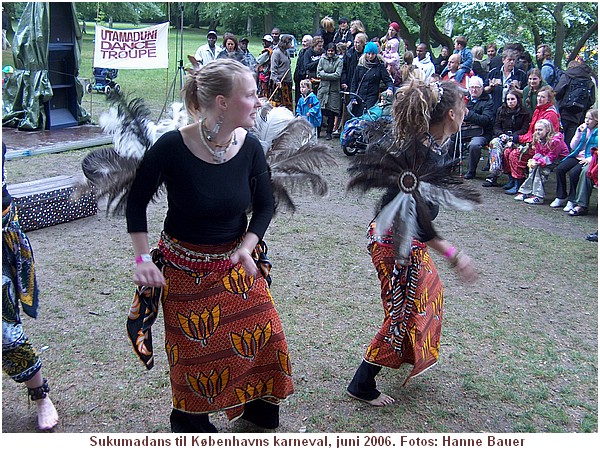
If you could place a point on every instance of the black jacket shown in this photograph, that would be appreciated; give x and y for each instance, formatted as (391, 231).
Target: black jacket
(509, 121)
(311, 61)
(562, 88)
(350, 62)
(482, 113)
(366, 81)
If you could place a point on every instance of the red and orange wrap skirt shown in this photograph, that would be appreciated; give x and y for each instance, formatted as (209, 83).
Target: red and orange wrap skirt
(223, 337)
(413, 299)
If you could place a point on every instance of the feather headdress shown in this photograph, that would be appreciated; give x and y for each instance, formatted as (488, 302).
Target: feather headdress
(293, 153)
(419, 177)
(109, 171)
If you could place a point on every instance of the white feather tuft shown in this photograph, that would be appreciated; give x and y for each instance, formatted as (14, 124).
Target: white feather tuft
(444, 197)
(270, 128)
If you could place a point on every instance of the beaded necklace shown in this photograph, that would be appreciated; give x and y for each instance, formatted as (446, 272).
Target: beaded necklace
(218, 155)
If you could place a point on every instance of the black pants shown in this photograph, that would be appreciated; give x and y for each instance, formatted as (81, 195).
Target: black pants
(330, 120)
(183, 422)
(363, 384)
(573, 168)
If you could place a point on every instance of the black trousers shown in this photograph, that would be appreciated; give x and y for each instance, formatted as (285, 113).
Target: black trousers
(183, 422)
(363, 384)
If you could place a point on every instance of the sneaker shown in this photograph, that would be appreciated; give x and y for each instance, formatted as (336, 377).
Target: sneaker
(335, 133)
(534, 200)
(489, 182)
(592, 237)
(328, 137)
(569, 207)
(520, 197)
(558, 202)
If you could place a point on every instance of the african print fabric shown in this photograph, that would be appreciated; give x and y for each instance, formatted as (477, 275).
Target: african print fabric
(223, 337)
(282, 96)
(413, 299)
(20, 361)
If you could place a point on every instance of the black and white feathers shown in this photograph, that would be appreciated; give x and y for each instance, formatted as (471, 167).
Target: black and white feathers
(421, 177)
(293, 154)
(109, 171)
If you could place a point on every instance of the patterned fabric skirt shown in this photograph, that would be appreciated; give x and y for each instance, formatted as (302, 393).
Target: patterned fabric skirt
(517, 162)
(223, 337)
(413, 299)
(283, 95)
(20, 361)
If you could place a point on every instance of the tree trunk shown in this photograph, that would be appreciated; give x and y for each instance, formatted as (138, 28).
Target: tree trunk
(592, 30)
(560, 34)
(268, 23)
(249, 26)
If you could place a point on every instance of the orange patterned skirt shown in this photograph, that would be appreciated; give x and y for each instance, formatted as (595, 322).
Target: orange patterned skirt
(413, 299)
(223, 337)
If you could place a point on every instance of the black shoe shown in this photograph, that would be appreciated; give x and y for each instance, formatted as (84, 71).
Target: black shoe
(489, 182)
(469, 176)
(592, 237)
(328, 137)
(509, 185)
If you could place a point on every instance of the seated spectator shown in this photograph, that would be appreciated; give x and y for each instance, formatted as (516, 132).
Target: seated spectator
(369, 74)
(480, 112)
(452, 69)
(517, 156)
(503, 78)
(477, 60)
(548, 146)
(511, 119)
(441, 61)
(308, 105)
(535, 83)
(585, 138)
(423, 61)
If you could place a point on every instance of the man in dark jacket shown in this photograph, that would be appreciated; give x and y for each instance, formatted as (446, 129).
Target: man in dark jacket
(501, 79)
(481, 113)
(574, 95)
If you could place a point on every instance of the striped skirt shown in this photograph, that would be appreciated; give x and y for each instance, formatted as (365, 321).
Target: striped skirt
(413, 299)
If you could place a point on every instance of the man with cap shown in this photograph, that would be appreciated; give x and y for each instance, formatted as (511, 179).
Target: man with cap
(263, 67)
(249, 59)
(392, 33)
(343, 33)
(208, 51)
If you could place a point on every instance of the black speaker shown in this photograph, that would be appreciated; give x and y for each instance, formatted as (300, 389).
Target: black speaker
(62, 109)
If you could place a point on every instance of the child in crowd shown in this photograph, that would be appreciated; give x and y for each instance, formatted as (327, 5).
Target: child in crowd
(308, 105)
(391, 57)
(466, 58)
(549, 146)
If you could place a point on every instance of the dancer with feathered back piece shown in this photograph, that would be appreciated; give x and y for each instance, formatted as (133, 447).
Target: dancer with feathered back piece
(410, 165)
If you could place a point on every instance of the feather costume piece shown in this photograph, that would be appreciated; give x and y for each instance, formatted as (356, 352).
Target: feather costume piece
(421, 177)
(109, 171)
(293, 154)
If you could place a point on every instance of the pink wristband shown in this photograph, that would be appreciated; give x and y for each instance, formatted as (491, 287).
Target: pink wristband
(450, 252)
(144, 257)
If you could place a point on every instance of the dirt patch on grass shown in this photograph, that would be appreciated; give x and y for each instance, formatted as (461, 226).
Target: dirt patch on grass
(519, 347)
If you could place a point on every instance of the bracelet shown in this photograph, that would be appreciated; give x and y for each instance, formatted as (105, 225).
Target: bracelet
(454, 260)
(450, 252)
(144, 257)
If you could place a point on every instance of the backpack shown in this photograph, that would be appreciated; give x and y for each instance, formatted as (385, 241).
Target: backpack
(557, 73)
(579, 96)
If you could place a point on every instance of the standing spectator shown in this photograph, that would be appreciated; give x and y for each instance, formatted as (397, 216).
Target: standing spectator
(343, 34)
(281, 76)
(478, 69)
(300, 70)
(548, 147)
(204, 272)
(308, 105)
(535, 83)
(441, 61)
(491, 60)
(326, 30)
(501, 79)
(466, 59)
(369, 74)
(329, 71)
(544, 57)
(452, 69)
(575, 93)
(83, 27)
(275, 34)
(356, 27)
(512, 118)
(20, 361)
(231, 48)
(263, 67)
(524, 62)
(423, 60)
(209, 51)
(312, 56)
(480, 112)
(249, 59)
(408, 71)
(392, 33)
(350, 62)
(584, 140)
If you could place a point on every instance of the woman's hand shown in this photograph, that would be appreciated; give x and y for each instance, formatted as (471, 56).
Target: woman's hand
(244, 257)
(464, 267)
(581, 128)
(147, 274)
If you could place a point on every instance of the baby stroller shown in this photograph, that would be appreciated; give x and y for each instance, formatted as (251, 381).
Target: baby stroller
(104, 81)
(358, 131)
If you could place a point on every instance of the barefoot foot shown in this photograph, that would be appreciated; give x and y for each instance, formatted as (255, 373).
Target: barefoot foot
(47, 415)
(382, 400)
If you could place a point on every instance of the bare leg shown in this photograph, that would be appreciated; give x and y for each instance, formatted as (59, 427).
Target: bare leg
(46, 412)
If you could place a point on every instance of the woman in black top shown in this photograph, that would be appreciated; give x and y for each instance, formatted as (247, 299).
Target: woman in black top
(223, 336)
(410, 159)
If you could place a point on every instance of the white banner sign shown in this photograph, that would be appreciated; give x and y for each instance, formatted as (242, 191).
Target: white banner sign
(141, 48)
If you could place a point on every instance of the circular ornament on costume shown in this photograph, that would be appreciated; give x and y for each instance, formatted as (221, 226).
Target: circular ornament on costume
(408, 182)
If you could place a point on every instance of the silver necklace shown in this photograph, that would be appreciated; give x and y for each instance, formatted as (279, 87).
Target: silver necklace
(221, 150)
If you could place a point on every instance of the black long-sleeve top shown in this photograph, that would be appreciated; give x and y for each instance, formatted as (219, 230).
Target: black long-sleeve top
(207, 203)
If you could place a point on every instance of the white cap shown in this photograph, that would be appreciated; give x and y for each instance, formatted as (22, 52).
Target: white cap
(268, 37)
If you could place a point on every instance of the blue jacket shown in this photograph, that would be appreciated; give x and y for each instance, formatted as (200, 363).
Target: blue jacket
(466, 59)
(589, 144)
(310, 104)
